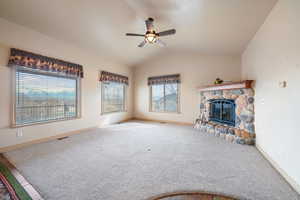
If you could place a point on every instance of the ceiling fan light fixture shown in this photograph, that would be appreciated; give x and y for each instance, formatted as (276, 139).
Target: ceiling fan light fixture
(151, 37)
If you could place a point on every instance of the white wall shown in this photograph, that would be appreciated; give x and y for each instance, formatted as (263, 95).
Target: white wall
(273, 56)
(12, 35)
(195, 71)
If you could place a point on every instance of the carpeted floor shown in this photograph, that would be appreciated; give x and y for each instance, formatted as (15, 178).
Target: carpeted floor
(137, 160)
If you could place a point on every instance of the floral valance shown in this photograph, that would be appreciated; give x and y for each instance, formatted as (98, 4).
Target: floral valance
(107, 76)
(156, 80)
(39, 62)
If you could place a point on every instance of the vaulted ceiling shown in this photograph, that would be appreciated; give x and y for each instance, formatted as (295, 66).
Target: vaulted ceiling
(217, 27)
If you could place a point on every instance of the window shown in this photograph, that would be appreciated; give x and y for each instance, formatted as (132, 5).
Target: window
(164, 97)
(43, 97)
(113, 96)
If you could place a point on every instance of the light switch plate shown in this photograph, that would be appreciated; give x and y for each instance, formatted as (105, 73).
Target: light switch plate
(283, 84)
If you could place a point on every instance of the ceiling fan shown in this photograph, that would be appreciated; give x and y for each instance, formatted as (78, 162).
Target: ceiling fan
(151, 36)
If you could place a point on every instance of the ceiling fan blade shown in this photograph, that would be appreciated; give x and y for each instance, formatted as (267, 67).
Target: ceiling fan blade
(149, 24)
(161, 43)
(167, 32)
(134, 34)
(142, 44)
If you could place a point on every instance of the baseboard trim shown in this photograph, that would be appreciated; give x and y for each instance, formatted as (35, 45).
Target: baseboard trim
(46, 139)
(163, 121)
(275, 165)
(125, 120)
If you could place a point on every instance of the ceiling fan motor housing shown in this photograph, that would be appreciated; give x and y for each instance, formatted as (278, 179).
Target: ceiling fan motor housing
(151, 32)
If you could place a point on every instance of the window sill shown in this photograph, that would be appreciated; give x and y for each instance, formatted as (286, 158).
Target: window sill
(44, 122)
(115, 112)
(165, 112)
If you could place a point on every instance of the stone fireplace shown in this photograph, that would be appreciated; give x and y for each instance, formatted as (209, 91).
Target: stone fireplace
(227, 111)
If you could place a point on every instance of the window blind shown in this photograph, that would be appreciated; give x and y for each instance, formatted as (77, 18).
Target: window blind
(44, 97)
(164, 98)
(113, 97)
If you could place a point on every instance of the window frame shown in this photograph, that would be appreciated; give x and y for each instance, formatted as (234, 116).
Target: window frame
(178, 111)
(124, 100)
(45, 73)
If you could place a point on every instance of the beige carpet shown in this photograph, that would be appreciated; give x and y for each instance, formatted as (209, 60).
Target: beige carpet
(135, 160)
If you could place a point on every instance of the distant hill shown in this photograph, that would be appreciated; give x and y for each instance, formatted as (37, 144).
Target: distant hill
(42, 94)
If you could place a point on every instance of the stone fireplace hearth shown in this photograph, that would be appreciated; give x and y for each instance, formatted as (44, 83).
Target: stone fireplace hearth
(220, 103)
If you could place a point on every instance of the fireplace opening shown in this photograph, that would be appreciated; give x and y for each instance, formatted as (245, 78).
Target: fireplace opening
(222, 111)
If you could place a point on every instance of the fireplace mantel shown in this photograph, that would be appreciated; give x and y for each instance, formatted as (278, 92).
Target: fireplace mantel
(228, 86)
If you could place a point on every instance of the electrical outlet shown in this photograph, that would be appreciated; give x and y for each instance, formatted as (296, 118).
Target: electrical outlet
(19, 132)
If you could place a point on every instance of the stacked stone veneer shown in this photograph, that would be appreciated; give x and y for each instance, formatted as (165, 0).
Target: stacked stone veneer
(244, 130)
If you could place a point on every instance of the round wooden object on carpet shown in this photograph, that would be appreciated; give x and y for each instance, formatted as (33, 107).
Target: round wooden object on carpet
(193, 196)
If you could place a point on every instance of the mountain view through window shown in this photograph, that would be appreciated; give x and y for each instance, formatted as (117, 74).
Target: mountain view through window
(41, 97)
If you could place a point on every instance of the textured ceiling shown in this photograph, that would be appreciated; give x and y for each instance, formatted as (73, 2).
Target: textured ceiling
(217, 27)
